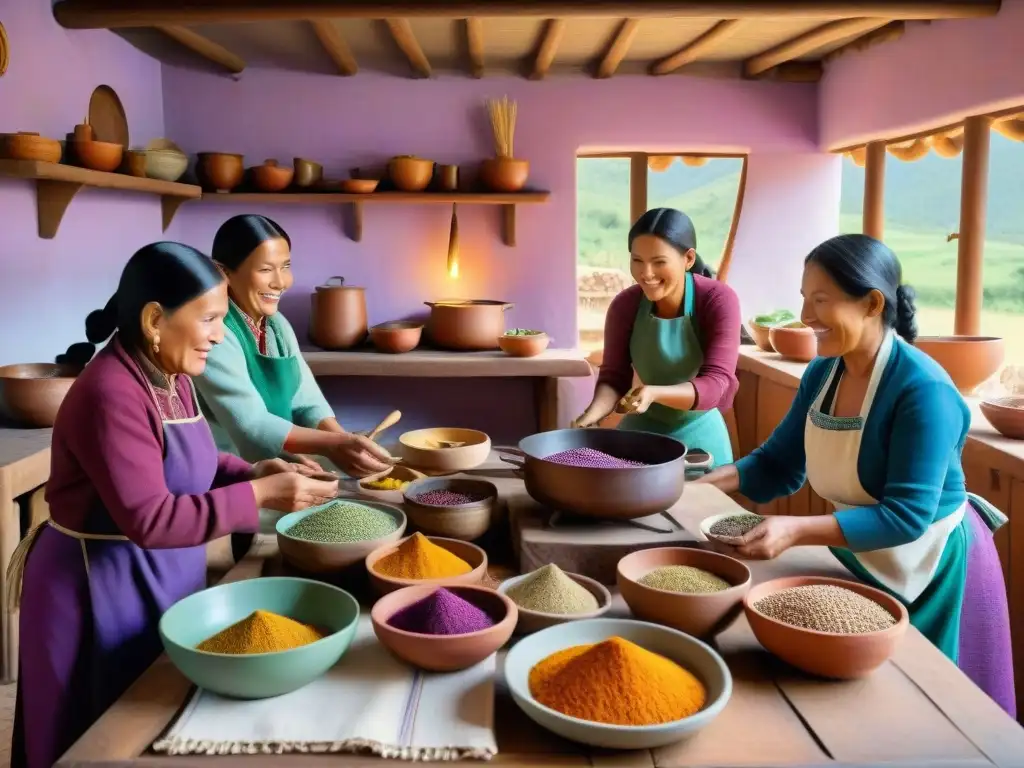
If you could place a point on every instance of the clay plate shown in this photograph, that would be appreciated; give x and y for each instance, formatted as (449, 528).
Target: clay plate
(106, 116)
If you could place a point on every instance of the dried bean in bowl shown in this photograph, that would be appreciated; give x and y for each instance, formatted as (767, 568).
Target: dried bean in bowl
(591, 459)
(826, 608)
(736, 525)
(443, 497)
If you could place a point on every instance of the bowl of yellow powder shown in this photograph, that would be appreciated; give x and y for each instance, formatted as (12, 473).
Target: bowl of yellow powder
(258, 638)
(693, 590)
(617, 683)
(423, 560)
(549, 596)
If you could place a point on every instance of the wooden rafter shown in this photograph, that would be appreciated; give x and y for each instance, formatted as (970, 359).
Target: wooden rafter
(549, 41)
(475, 45)
(618, 48)
(809, 41)
(696, 48)
(337, 48)
(405, 39)
(891, 31)
(205, 47)
(110, 14)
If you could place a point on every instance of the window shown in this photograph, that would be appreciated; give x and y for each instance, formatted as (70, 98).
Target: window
(851, 198)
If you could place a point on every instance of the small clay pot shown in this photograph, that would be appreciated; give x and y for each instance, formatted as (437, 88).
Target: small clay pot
(83, 132)
(307, 173)
(271, 177)
(504, 174)
(524, 346)
(795, 341)
(969, 360)
(99, 155)
(358, 186)
(396, 337)
(1006, 415)
(761, 336)
(466, 522)
(31, 146)
(411, 174)
(136, 163)
(448, 178)
(220, 171)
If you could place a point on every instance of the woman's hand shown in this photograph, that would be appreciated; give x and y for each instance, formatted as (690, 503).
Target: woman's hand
(586, 419)
(766, 540)
(725, 479)
(638, 399)
(358, 456)
(291, 491)
(277, 466)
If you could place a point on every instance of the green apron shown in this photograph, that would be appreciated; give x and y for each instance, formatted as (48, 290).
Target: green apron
(277, 379)
(666, 352)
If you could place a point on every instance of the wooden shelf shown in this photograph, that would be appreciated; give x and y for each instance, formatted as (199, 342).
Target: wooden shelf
(57, 185)
(508, 203)
(433, 363)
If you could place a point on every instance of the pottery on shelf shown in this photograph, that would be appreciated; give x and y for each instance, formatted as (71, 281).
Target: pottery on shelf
(30, 146)
(761, 336)
(969, 360)
(411, 174)
(396, 337)
(504, 174)
(526, 345)
(165, 160)
(358, 186)
(271, 177)
(338, 315)
(307, 173)
(795, 341)
(220, 171)
(1006, 415)
(102, 156)
(136, 162)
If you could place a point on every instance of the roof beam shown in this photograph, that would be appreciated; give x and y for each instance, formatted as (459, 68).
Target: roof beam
(693, 50)
(807, 42)
(892, 31)
(405, 39)
(550, 39)
(111, 14)
(475, 45)
(334, 43)
(205, 47)
(618, 48)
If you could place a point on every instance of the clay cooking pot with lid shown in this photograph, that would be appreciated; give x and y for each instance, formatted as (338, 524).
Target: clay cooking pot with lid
(338, 315)
(466, 324)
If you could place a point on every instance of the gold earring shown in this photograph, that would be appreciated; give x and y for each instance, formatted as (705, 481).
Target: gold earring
(156, 345)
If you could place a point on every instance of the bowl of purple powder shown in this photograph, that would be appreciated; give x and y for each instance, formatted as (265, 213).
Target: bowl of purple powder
(455, 507)
(444, 629)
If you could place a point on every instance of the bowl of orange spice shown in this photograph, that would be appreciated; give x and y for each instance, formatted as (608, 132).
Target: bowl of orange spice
(425, 560)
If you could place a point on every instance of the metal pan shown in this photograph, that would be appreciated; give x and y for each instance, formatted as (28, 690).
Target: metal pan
(622, 494)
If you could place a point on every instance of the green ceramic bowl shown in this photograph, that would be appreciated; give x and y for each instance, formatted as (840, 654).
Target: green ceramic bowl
(258, 675)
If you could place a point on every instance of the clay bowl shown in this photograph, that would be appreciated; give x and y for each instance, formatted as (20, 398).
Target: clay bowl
(136, 163)
(31, 393)
(271, 177)
(1006, 415)
(826, 654)
(444, 653)
(411, 174)
(220, 171)
(534, 621)
(761, 334)
(99, 155)
(471, 553)
(969, 360)
(358, 186)
(166, 164)
(398, 472)
(524, 346)
(396, 337)
(316, 557)
(424, 449)
(504, 174)
(794, 342)
(307, 173)
(457, 521)
(708, 522)
(31, 146)
(700, 615)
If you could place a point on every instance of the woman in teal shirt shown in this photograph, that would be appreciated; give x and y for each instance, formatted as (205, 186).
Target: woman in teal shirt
(877, 428)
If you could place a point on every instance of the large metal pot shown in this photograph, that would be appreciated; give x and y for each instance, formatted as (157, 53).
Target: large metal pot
(606, 493)
(338, 315)
(466, 324)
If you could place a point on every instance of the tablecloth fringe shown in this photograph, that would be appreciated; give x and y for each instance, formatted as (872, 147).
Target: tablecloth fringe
(176, 746)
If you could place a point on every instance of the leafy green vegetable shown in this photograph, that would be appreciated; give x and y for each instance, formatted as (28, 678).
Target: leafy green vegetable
(778, 317)
(523, 332)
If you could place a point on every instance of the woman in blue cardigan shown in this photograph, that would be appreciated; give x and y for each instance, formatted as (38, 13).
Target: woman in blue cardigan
(877, 428)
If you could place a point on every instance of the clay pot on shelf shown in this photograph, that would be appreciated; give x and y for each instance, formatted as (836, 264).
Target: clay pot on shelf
(524, 345)
(411, 174)
(307, 173)
(338, 316)
(271, 177)
(102, 156)
(135, 163)
(166, 164)
(358, 186)
(1006, 415)
(83, 132)
(30, 394)
(504, 174)
(969, 360)
(220, 171)
(760, 334)
(466, 324)
(396, 337)
(795, 341)
(30, 146)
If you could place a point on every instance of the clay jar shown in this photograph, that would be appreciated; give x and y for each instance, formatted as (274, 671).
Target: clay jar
(220, 171)
(466, 324)
(760, 334)
(338, 316)
(504, 174)
(794, 342)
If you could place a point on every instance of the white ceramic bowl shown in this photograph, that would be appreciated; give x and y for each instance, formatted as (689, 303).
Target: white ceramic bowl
(692, 654)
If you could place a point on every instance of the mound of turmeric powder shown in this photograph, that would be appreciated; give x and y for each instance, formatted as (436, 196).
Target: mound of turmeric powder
(419, 558)
(616, 682)
(261, 632)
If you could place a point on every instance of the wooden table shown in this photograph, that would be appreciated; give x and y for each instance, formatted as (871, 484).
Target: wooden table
(24, 467)
(917, 710)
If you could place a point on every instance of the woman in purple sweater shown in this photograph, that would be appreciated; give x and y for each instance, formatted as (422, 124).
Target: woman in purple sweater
(136, 489)
(679, 329)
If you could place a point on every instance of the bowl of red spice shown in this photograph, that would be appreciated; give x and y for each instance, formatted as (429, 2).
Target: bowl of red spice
(455, 507)
(443, 629)
(420, 560)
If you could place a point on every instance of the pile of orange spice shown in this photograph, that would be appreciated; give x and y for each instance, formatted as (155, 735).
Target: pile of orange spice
(419, 558)
(616, 682)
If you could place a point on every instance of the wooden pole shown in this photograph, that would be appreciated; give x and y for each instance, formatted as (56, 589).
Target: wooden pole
(874, 190)
(971, 243)
(637, 187)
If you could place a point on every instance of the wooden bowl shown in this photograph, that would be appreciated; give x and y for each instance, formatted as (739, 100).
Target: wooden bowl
(826, 654)
(460, 521)
(99, 155)
(31, 393)
(396, 337)
(423, 449)
(398, 472)
(135, 161)
(411, 174)
(534, 621)
(504, 174)
(471, 553)
(1006, 415)
(969, 360)
(220, 171)
(31, 146)
(761, 336)
(444, 653)
(271, 177)
(524, 346)
(166, 164)
(699, 614)
(794, 342)
(307, 173)
(358, 186)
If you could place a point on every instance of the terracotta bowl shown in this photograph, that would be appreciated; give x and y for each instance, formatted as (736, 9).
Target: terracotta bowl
(826, 654)
(462, 521)
(358, 186)
(424, 449)
(1006, 415)
(99, 155)
(271, 177)
(534, 621)
(220, 171)
(524, 346)
(504, 174)
(444, 653)
(700, 615)
(969, 360)
(761, 336)
(471, 553)
(166, 164)
(307, 173)
(396, 337)
(31, 146)
(31, 393)
(411, 174)
(135, 161)
(794, 342)
(398, 472)
(316, 557)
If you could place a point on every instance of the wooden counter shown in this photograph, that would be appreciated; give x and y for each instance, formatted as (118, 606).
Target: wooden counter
(917, 710)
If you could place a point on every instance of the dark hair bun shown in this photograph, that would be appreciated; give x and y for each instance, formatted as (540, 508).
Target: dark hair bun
(906, 313)
(101, 323)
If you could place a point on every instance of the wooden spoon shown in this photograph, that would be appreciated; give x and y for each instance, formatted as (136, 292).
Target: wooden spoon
(389, 421)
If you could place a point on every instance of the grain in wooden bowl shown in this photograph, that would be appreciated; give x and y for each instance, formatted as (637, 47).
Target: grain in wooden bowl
(459, 508)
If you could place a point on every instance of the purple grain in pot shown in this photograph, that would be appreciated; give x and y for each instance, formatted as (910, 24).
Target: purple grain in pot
(441, 613)
(590, 458)
(446, 498)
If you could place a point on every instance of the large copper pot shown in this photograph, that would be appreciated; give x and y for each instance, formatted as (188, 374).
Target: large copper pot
(338, 315)
(466, 324)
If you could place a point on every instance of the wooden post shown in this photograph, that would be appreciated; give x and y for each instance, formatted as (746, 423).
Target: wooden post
(874, 190)
(637, 187)
(971, 243)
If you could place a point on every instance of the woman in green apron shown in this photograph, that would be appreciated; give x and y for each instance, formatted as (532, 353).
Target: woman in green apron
(678, 329)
